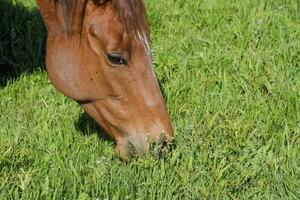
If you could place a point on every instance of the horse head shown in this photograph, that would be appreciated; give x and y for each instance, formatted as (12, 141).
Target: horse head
(98, 54)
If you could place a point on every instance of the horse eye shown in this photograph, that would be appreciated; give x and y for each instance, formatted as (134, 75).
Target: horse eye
(116, 59)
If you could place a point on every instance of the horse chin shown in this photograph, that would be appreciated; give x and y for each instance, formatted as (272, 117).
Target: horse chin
(128, 147)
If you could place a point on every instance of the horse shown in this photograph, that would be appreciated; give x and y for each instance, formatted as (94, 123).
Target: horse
(98, 54)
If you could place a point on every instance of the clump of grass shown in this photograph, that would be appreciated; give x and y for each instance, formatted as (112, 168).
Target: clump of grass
(161, 146)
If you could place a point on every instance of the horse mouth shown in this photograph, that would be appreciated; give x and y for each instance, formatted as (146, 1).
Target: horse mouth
(130, 148)
(88, 101)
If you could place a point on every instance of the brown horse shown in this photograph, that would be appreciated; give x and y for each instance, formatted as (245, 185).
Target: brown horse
(98, 54)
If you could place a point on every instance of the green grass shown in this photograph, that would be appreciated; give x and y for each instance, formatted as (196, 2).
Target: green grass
(230, 74)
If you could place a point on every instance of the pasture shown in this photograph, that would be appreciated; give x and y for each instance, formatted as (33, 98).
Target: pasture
(230, 75)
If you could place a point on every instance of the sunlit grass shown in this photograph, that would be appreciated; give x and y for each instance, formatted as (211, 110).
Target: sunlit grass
(230, 74)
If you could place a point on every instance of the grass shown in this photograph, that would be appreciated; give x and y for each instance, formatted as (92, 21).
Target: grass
(230, 74)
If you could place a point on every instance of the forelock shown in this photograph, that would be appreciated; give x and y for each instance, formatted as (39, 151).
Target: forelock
(131, 14)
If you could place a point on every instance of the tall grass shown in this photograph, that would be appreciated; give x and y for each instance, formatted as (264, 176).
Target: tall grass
(230, 74)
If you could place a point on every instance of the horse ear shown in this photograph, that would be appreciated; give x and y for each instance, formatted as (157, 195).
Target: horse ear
(57, 14)
(46, 7)
(48, 11)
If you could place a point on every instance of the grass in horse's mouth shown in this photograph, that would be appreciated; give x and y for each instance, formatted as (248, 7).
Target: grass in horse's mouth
(161, 146)
(158, 147)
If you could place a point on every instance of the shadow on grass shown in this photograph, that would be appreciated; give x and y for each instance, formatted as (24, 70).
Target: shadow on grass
(22, 40)
(88, 126)
(22, 50)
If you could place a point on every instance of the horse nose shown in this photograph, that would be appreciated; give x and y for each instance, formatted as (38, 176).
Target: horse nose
(139, 144)
(165, 130)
